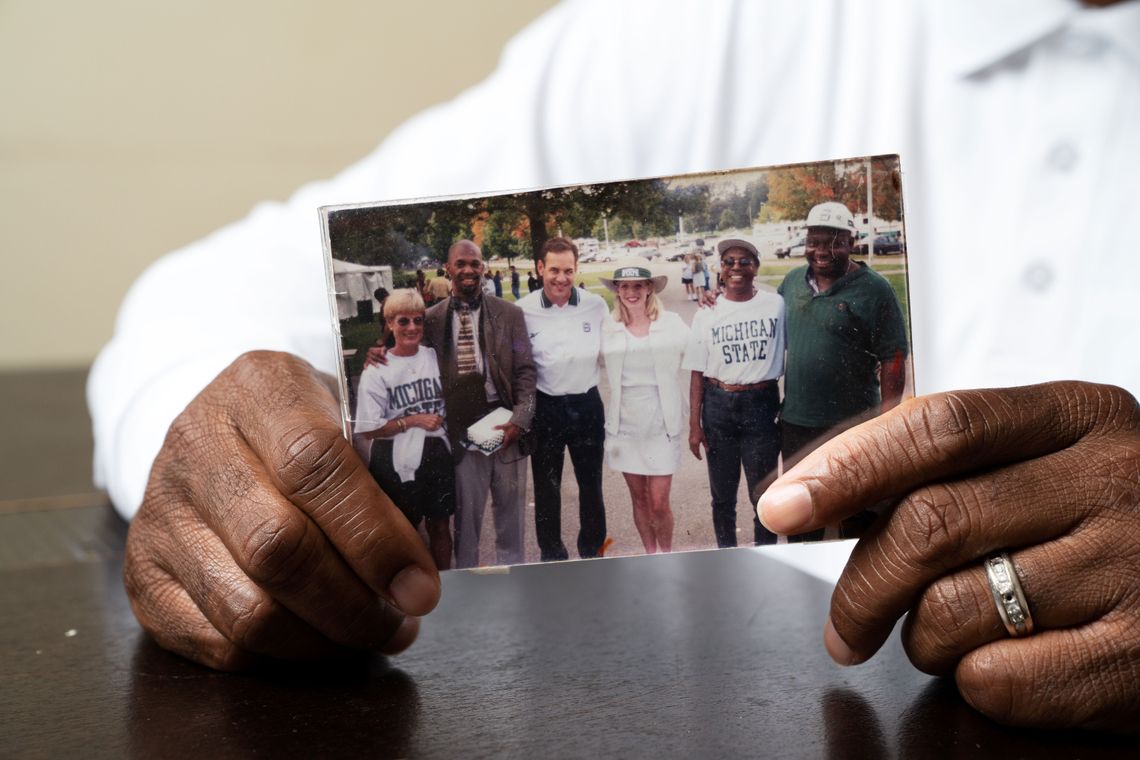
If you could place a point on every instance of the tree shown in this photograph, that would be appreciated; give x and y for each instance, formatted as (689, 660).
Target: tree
(794, 190)
(504, 233)
(512, 225)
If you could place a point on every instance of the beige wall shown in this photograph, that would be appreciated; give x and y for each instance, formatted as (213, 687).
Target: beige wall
(129, 128)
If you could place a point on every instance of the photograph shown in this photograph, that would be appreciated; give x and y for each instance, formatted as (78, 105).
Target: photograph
(617, 368)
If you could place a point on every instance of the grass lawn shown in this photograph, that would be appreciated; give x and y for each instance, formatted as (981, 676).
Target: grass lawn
(360, 336)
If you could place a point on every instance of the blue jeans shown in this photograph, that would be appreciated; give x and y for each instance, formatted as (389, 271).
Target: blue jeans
(741, 430)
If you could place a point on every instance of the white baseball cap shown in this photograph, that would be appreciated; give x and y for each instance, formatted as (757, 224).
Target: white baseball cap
(831, 214)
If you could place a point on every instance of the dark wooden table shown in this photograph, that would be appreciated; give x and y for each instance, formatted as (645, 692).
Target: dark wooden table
(707, 655)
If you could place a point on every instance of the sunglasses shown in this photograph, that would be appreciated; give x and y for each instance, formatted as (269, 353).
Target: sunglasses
(405, 321)
(743, 262)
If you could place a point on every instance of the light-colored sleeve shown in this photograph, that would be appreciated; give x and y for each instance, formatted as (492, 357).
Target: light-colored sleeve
(696, 354)
(371, 402)
(684, 333)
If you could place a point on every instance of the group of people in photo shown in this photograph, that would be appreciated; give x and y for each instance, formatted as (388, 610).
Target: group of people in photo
(833, 332)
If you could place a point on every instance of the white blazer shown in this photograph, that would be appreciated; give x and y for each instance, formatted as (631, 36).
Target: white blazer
(668, 336)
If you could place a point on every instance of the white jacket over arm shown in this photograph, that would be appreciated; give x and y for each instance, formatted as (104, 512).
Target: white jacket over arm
(668, 336)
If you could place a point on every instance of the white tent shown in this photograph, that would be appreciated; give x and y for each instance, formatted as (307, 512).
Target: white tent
(357, 282)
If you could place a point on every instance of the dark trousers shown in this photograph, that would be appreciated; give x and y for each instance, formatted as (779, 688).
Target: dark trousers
(576, 422)
(741, 430)
(431, 494)
(799, 441)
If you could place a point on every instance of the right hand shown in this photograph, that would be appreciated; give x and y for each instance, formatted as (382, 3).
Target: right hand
(261, 532)
(377, 355)
(696, 440)
(428, 422)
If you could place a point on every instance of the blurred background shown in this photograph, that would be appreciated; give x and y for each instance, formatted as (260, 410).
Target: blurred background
(132, 128)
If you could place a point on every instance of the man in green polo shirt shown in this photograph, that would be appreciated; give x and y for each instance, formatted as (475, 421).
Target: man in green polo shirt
(846, 339)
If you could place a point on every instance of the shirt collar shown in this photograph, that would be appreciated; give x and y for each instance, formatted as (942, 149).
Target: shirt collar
(979, 34)
(547, 303)
(860, 268)
(473, 305)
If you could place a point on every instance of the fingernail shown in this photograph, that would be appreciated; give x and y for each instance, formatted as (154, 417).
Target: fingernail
(837, 647)
(785, 508)
(404, 636)
(415, 591)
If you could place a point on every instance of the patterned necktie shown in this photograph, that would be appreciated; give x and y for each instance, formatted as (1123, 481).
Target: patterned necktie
(465, 346)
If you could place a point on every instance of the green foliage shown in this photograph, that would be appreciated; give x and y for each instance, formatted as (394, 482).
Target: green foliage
(505, 234)
(516, 225)
(358, 335)
(795, 189)
(403, 279)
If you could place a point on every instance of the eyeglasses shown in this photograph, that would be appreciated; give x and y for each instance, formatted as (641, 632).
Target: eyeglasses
(405, 321)
(744, 262)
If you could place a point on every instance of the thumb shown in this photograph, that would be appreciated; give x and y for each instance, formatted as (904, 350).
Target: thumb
(924, 440)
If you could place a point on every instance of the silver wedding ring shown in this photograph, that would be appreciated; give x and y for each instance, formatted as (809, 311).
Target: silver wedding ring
(1008, 595)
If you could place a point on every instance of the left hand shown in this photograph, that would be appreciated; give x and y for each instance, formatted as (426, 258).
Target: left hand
(1049, 473)
(511, 433)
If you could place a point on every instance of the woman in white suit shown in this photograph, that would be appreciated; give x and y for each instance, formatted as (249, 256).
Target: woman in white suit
(643, 346)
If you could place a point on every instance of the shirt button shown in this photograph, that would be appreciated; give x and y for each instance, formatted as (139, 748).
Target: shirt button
(1063, 156)
(1038, 276)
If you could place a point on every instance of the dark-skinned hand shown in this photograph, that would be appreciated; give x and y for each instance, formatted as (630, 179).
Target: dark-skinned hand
(1049, 473)
(262, 534)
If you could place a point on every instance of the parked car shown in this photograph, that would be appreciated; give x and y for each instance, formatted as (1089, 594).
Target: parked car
(677, 255)
(794, 247)
(885, 242)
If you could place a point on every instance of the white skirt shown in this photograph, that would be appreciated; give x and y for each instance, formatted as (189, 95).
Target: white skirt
(641, 446)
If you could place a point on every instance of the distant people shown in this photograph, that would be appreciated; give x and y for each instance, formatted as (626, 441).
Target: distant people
(488, 284)
(565, 328)
(847, 344)
(438, 288)
(700, 277)
(736, 355)
(643, 346)
(498, 280)
(687, 277)
(421, 284)
(399, 427)
(531, 282)
(515, 282)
